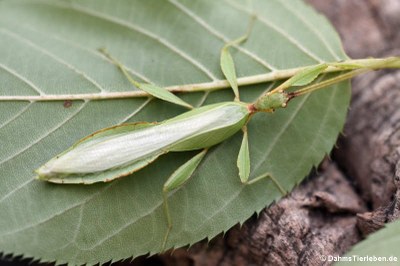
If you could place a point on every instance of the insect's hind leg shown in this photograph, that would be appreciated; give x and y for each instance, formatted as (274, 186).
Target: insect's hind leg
(176, 181)
(268, 176)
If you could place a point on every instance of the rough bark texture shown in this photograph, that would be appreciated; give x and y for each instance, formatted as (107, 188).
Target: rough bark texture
(370, 152)
(359, 190)
(318, 218)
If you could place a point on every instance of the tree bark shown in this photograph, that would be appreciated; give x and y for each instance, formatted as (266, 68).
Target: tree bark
(357, 192)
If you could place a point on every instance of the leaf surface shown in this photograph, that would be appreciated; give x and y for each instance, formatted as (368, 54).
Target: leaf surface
(53, 50)
(378, 247)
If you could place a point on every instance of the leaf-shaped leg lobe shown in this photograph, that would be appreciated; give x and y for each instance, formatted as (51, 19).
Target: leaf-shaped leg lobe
(176, 181)
(243, 160)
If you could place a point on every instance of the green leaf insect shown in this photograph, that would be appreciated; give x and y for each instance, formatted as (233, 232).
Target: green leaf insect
(121, 150)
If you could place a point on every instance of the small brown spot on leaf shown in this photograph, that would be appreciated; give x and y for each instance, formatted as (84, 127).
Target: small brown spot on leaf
(67, 103)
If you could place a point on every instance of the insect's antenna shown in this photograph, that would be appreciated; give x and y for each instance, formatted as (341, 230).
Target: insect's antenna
(278, 97)
(389, 62)
(309, 74)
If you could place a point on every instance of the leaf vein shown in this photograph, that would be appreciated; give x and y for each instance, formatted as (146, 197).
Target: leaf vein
(53, 56)
(313, 29)
(15, 190)
(23, 79)
(279, 134)
(137, 110)
(280, 31)
(219, 35)
(318, 130)
(20, 112)
(69, 208)
(90, 51)
(143, 31)
(45, 135)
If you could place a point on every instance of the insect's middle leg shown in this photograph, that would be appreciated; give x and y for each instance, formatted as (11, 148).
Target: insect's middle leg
(243, 163)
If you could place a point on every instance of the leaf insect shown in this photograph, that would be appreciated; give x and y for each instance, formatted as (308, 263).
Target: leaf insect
(121, 150)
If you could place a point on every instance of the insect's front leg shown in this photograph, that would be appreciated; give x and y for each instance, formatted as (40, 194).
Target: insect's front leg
(175, 182)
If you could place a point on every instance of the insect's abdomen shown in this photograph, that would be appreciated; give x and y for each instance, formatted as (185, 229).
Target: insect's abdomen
(126, 146)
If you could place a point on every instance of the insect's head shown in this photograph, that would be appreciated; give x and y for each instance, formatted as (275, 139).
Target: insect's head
(271, 101)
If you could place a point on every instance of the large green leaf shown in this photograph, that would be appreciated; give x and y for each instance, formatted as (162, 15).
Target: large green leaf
(50, 47)
(380, 248)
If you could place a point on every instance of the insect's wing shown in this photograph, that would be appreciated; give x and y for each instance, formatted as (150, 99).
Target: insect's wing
(105, 133)
(105, 176)
(230, 118)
